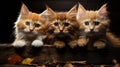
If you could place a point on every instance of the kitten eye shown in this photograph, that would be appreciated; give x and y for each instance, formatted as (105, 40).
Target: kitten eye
(27, 23)
(36, 25)
(56, 23)
(96, 23)
(86, 23)
(66, 24)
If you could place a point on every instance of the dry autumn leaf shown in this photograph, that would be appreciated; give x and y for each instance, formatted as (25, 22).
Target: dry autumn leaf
(27, 61)
(14, 59)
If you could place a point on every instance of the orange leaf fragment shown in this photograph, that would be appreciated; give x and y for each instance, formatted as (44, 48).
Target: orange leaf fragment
(14, 59)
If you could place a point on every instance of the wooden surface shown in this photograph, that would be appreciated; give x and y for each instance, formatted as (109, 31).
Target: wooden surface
(50, 55)
(9, 65)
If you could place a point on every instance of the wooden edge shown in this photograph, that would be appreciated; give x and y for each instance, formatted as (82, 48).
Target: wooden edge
(9, 45)
(10, 65)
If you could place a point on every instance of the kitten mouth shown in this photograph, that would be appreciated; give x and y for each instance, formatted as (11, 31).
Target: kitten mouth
(28, 31)
(62, 34)
(58, 33)
(92, 32)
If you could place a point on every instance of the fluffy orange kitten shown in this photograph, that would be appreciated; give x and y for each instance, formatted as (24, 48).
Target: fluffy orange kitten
(62, 27)
(29, 29)
(93, 26)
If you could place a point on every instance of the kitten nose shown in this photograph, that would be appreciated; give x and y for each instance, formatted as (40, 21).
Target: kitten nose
(31, 30)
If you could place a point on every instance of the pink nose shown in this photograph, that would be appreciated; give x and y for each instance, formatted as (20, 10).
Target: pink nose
(31, 30)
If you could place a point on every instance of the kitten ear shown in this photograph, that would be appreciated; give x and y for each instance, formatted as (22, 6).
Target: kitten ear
(72, 12)
(48, 14)
(81, 11)
(103, 11)
(24, 11)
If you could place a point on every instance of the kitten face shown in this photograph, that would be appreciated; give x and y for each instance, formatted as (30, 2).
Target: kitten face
(29, 23)
(60, 26)
(92, 21)
(30, 26)
(61, 22)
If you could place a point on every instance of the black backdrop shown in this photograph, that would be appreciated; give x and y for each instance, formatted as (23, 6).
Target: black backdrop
(9, 11)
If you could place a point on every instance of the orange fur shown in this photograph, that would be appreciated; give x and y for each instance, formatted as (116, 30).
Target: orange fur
(94, 26)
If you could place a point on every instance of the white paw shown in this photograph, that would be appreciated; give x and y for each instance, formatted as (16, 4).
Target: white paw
(19, 43)
(37, 43)
(99, 44)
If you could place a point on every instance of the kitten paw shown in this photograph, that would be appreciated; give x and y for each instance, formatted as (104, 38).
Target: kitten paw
(99, 44)
(59, 44)
(73, 43)
(82, 42)
(37, 43)
(19, 43)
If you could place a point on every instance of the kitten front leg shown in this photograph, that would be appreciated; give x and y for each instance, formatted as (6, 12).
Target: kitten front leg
(82, 41)
(73, 43)
(59, 44)
(19, 43)
(37, 43)
(99, 44)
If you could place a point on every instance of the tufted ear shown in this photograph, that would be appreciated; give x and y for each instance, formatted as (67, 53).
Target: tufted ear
(72, 12)
(103, 11)
(24, 11)
(48, 14)
(81, 11)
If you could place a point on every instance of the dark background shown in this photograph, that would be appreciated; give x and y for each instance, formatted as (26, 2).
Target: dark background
(9, 11)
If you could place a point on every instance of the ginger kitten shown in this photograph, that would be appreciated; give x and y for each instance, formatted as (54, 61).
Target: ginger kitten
(93, 26)
(62, 27)
(29, 29)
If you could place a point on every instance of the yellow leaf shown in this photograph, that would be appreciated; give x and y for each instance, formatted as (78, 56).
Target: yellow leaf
(27, 61)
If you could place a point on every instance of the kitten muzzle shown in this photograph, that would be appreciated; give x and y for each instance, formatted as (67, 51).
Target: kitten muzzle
(31, 30)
